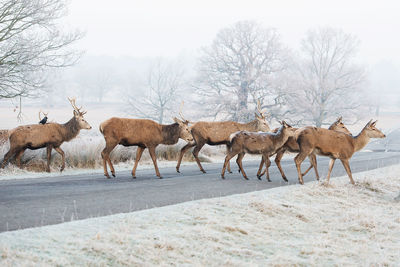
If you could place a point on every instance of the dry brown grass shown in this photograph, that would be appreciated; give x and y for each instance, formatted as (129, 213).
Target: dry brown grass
(84, 152)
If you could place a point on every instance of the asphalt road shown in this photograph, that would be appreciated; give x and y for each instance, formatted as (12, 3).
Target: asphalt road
(42, 201)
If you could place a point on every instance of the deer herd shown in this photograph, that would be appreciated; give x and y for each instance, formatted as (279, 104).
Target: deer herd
(254, 137)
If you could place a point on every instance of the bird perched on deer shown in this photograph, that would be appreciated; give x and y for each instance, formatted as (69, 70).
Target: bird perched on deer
(49, 135)
(44, 120)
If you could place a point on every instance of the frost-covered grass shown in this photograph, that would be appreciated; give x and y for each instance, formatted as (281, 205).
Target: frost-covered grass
(339, 224)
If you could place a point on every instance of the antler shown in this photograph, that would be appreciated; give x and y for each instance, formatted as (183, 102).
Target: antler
(181, 115)
(180, 111)
(45, 114)
(72, 101)
(262, 114)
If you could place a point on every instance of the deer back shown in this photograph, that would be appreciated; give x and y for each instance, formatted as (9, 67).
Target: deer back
(131, 132)
(326, 142)
(37, 136)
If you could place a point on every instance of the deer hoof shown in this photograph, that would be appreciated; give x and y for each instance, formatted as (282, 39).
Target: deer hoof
(106, 175)
(113, 174)
(268, 180)
(159, 177)
(259, 177)
(222, 176)
(134, 177)
(246, 178)
(177, 170)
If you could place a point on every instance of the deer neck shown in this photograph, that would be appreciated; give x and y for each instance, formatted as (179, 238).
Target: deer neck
(70, 129)
(280, 137)
(170, 133)
(361, 140)
(251, 126)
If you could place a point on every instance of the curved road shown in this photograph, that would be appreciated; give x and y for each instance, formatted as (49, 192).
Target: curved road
(42, 201)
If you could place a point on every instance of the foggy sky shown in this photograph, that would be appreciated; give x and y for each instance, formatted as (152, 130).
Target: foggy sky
(171, 27)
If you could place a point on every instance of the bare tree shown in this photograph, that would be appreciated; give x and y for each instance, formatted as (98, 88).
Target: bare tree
(162, 88)
(238, 68)
(31, 42)
(326, 82)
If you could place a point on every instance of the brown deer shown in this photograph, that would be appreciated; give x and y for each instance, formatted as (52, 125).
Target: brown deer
(267, 144)
(49, 135)
(292, 146)
(333, 144)
(143, 134)
(218, 133)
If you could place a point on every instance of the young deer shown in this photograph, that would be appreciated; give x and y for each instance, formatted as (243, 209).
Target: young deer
(142, 133)
(292, 146)
(49, 135)
(333, 144)
(218, 133)
(256, 143)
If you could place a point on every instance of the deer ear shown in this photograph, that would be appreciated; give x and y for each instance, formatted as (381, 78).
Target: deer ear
(339, 119)
(256, 115)
(76, 114)
(374, 123)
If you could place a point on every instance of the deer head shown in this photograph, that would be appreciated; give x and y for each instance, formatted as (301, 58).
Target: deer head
(261, 118)
(78, 115)
(184, 130)
(372, 131)
(338, 125)
(287, 128)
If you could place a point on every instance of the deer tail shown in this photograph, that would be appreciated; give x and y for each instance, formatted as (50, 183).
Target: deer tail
(101, 128)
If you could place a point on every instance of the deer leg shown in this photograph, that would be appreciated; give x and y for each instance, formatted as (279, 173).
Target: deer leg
(139, 153)
(8, 155)
(278, 159)
(309, 168)
(259, 174)
(331, 163)
(61, 152)
(152, 151)
(239, 163)
(196, 151)
(183, 151)
(228, 157)
(229, 164)
(313, 160)
(105, 154)
(49, 148)
(267, 165)
(18, 157)
(298, 160)
(346, 165)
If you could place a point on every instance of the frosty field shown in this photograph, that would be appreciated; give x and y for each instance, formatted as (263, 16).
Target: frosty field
(339, 224)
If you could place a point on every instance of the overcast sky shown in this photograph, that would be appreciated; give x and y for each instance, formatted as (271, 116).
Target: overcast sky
(170, 27)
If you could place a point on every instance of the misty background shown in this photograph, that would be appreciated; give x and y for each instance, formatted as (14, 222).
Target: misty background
(307, 61)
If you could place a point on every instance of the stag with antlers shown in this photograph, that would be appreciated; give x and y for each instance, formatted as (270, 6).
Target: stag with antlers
(49, 135)
(143, 134)
(218, 133)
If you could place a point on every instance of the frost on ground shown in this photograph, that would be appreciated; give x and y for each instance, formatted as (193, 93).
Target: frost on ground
(339, 224)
